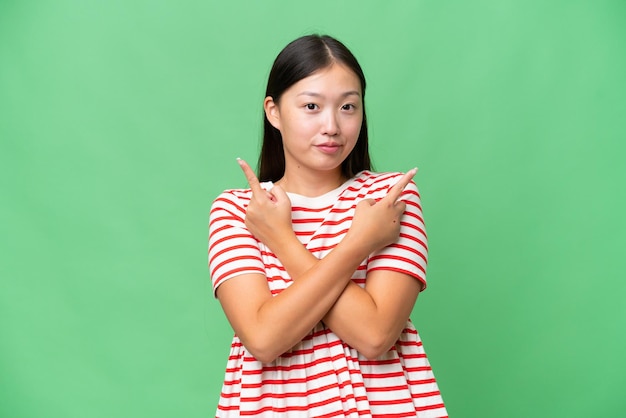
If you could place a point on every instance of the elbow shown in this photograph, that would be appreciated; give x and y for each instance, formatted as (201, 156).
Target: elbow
(376, 346)
(263, 351)
(264, 356)
(372, 353)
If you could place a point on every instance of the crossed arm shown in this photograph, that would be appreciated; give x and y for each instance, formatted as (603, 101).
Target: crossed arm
(368, 319)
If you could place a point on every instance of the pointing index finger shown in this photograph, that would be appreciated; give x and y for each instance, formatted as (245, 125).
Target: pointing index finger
(253, 181)
(395, 191)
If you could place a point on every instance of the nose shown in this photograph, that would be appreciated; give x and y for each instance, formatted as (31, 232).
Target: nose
(330, 124)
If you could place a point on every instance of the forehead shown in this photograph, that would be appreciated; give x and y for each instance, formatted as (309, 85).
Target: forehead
(335, 79)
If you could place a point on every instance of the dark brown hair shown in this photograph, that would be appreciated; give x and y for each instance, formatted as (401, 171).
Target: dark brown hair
(299, 59)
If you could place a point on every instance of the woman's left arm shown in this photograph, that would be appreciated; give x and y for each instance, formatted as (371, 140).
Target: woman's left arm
(369, 319)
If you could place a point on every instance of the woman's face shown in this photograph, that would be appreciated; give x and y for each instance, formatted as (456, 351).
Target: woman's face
(319, 118)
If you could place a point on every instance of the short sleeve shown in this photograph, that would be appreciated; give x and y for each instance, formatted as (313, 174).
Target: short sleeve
(409, 254)
(233, 250)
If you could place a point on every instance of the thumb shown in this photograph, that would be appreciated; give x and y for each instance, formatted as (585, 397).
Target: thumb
(401, 206)
(279, 194)
(367, 202)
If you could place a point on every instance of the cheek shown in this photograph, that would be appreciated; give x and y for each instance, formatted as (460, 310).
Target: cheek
(355, 128)
(298, 126)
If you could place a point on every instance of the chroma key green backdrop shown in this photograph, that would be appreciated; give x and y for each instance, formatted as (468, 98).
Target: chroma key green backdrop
(120, 121)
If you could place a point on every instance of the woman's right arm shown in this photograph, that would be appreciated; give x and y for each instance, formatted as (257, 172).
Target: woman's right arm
(370, 318)
(270, 325)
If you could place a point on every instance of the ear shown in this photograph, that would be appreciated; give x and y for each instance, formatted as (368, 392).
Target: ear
(272, 112)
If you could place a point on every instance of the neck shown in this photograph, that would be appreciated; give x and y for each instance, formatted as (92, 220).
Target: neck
(311, 184)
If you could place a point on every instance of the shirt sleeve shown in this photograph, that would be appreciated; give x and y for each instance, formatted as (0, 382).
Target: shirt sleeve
(409, 254)
(233, 250)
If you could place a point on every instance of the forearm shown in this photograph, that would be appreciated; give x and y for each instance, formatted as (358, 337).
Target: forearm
(367, 320)
(355, 316)
(275, 324)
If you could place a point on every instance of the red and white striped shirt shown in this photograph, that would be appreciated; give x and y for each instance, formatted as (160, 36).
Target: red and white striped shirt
(322, 376)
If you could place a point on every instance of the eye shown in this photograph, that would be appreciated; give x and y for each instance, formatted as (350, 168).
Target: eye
(311, 106)
(348, 106)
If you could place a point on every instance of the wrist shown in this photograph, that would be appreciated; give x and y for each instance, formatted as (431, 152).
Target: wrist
(354, 248)
(283, 244)
(295, 258)
(357, 245)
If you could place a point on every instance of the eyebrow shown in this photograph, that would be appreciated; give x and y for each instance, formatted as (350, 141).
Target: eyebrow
(346, 94)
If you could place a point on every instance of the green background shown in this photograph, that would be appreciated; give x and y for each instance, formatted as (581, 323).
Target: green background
(120, 122)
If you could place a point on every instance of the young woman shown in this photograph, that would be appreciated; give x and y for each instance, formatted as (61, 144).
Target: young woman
(319, 263)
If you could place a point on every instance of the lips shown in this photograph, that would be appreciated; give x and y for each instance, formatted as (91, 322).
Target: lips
(328, 147)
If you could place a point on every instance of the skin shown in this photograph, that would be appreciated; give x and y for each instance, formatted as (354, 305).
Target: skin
(324, 108)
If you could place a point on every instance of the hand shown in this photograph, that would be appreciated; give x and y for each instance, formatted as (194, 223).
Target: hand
(268, 215)
(377, 224)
